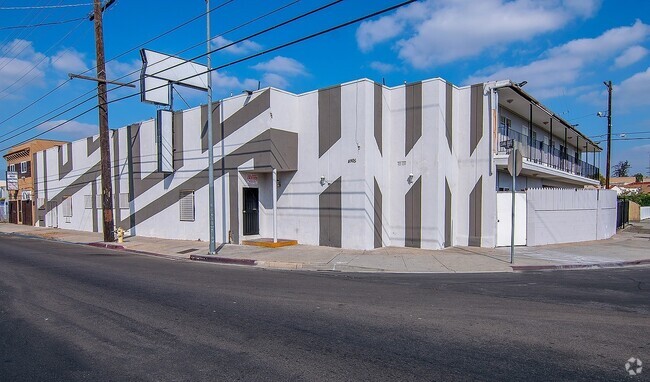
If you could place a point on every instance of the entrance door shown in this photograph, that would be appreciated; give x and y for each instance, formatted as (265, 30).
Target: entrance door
(504, 218)
(13, 212)
(251, 213)
(51, 218)
(26, 212)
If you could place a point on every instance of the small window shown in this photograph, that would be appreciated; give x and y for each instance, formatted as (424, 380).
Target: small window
(67, 206)
(12, 168)
(88, 202)
(23, 167)
(186, 202)
(40, 202)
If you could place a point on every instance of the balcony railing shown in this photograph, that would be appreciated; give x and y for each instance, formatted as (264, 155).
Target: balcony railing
(541, 153)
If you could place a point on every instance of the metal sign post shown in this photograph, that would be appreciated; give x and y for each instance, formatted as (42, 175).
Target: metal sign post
(515, 163)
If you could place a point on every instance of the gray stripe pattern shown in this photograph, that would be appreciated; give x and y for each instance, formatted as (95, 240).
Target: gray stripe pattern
(329, 118)
(413, 115)
(378, 103)
(413, 215)
(378, 215)
(449, 113)
(475, 214)
(448, 226)
(475, 117)
(329, 215)
(64, 169)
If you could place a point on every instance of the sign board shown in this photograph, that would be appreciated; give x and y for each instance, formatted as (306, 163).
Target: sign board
(26, 195)
(251, 179)
(160, 71)
(515, 158)
(12, 180)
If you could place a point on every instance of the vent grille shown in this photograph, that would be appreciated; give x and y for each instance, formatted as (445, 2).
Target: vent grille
(186, 201)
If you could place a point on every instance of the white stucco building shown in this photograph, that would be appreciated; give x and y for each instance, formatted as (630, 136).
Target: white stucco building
(360, 165)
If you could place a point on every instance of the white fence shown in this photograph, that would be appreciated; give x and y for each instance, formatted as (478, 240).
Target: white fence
(645, 213)
(569, 215)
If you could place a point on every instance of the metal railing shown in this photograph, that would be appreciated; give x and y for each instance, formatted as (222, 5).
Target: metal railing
(541, 153)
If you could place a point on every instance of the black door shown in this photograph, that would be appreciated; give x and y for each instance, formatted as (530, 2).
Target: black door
(251, 213)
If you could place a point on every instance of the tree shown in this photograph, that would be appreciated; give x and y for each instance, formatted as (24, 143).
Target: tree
(639, 177)
(620, 169)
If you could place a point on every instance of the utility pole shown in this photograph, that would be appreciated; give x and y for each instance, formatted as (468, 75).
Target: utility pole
(104, 147)
(609, 131)
(212, 248)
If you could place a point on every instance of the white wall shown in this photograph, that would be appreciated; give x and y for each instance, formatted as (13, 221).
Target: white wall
(569, 215)
(645, 213)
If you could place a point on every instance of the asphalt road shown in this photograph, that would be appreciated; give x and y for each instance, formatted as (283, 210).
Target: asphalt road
(71, 312)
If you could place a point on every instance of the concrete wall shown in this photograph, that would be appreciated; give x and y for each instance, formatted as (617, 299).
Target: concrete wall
(634, 211)
(569, 215)
(644, 213)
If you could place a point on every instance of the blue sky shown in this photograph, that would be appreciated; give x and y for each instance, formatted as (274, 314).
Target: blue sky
(565, 49)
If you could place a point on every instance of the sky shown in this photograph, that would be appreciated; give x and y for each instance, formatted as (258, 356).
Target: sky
(564, 49)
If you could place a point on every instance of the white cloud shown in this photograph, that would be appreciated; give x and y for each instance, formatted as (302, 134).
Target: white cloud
(244, 47)
(440, 32)
(630, 56)
(633, 91)
(275, 80)
(563, 65)
(20, 66)
(69, 61)
(382, 67)
(226, 83)
(282, 65)
(70, 126)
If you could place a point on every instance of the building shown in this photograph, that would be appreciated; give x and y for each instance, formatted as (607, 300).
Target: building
(21, 189)
(359, 165)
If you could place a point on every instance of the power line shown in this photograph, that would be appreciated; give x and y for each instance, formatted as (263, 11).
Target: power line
(44, 7)
(287, 44)
(126, 75)
(112, 59)
(42, 24)
(630, 133)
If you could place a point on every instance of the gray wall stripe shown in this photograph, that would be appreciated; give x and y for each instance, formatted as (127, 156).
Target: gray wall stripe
(129, 155)
(448, 226)
(233, 198)
(378, 215)
(91, 145)
(241, 117)
(413, 115)
(329, 118)
(475, 214)
(476, 117)
(93, 197)
(449, 113)
(36, 216)
(329, 215)
(116, 176)
(413, 215)
(45, 181)
(378, 116)
(64, 169)
(177, 129)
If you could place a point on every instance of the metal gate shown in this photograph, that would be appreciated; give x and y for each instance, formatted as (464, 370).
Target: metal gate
(251, 213)
(622, 213)
(504, 218)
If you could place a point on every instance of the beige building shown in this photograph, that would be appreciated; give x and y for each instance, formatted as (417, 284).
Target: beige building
(22, 203)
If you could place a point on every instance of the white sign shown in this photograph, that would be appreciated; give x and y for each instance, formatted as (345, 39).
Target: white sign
(12, 180)
(160, 70)
(251, 179)
(26, 195)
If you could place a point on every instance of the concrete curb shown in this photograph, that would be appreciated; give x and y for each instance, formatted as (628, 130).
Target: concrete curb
(100, 244)
(223, 260)
(616, 264)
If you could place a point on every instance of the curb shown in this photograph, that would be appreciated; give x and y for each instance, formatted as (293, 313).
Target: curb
(100, 244)
(616, 264)
(223, 260)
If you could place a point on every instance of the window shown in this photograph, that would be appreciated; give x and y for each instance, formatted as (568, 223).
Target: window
(186, 202)
(40, 202)
(12, 168)
(506, 123)
(88, 202)
(67, 206)
(123, 200)
(23, 167)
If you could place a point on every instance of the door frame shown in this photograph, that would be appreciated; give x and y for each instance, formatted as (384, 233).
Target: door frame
(245, 190)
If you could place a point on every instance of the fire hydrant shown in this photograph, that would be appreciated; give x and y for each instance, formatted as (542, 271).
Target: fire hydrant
(120, 235)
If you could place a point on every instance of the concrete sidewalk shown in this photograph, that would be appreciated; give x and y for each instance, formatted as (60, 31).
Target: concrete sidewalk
(629, 247)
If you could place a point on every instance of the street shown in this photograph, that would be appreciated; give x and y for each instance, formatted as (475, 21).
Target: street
(72, 312)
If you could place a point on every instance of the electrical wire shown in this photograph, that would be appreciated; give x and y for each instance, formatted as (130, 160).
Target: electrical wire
(278, 47)
(44, 7)
(42, 24)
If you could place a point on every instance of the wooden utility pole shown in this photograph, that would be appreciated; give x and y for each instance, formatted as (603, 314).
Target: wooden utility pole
(609, 132)
(104, 147)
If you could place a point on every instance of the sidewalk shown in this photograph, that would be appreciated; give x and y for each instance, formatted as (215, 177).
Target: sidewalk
(628, 247)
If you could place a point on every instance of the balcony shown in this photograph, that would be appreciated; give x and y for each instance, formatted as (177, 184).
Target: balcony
(541, 153)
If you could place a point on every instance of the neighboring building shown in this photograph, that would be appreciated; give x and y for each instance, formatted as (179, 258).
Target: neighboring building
(621, 180)
(4, 210)
(19, 162)
(360, 165)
